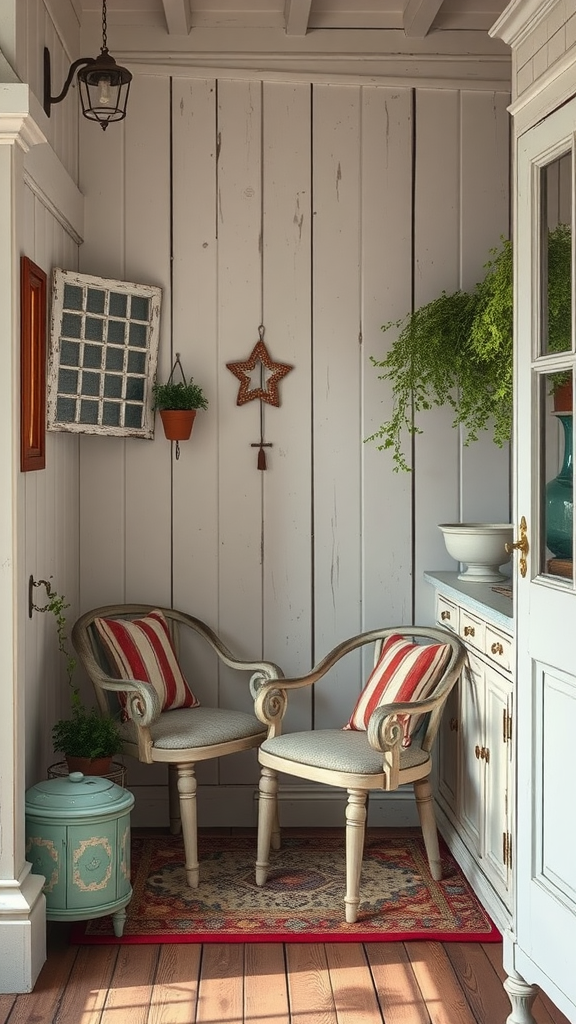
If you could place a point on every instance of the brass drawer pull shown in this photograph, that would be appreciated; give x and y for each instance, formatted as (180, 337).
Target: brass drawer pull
(497, 648)
(445, 615)
(469, 631)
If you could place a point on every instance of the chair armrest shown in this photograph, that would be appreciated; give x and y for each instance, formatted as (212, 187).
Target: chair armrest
(142, 701)
(408, 708)
(266, 668)
(385, 733)
(327, 663)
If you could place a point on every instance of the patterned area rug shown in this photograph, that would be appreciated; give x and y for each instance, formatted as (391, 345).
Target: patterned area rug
(303, 899)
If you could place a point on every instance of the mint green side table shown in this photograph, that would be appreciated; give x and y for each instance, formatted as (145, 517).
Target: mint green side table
(78, 837)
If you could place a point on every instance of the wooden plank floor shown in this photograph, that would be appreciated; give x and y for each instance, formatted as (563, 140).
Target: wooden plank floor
(268, 983)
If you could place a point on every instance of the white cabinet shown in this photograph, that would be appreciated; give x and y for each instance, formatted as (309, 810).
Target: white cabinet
(474, 781)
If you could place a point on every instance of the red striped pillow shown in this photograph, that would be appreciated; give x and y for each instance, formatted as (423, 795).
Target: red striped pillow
(142, 649)
(405, 671)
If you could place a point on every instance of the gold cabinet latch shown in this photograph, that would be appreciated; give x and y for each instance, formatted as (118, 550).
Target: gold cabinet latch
(522, 546)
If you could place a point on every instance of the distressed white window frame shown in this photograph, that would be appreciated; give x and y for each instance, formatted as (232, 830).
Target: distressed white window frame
(82, 396)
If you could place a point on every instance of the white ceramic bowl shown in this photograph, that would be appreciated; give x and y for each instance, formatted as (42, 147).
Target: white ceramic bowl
(480, 546)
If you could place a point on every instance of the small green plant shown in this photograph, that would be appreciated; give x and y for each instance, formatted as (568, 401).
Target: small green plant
(87, 733)
(181, 395)
(458, 349)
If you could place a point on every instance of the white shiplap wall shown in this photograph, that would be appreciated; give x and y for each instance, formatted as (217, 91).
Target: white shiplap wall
(48, 527)
(49, 226)
(42, 24)
(318, 210)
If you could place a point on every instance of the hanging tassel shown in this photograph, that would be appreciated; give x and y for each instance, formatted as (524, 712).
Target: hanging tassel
(261, 459)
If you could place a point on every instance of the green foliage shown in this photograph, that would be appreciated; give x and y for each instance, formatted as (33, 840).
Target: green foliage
(458, 349)
(181, 395)
(87, 734)
(56, 605)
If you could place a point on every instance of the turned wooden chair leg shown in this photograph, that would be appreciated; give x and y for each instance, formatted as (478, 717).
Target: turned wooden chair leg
(425, 806)
(355, 830)
(275, 837)
(174, 801)
(267, 816)
(188, 812)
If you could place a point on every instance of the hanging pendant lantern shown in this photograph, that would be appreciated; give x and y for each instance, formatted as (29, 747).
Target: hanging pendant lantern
(103, 84)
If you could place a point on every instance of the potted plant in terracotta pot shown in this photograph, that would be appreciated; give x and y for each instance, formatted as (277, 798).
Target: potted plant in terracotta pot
(87, 738)
(177, 403)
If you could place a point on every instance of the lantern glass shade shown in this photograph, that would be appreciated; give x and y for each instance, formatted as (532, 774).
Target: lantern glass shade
(104, 88)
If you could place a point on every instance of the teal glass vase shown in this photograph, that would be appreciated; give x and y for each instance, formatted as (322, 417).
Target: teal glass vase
(560, 499)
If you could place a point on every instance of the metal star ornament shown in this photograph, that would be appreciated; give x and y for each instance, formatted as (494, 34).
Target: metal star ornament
(268, 393)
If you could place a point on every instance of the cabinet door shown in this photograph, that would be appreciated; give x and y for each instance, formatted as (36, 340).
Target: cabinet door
(446, 756)
(91, 865)
(497, 827)
(545, 582)
(471, 764)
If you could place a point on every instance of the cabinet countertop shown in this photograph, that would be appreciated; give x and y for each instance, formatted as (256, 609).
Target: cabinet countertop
(478, 597)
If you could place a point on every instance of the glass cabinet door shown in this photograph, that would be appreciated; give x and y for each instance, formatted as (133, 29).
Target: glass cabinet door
(553, 369)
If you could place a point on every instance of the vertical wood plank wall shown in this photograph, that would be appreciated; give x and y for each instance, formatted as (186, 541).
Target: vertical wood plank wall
(48, 528)
(321, 211)
(36, 29)
(47, 541)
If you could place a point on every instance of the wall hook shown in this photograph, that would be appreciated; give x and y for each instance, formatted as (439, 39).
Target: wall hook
(37, 583)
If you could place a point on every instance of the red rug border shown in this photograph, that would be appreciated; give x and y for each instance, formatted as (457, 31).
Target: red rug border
(78, 937)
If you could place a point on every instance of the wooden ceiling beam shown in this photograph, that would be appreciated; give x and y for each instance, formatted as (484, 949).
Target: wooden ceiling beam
(419, 15)
(296, 16)
(177, 14)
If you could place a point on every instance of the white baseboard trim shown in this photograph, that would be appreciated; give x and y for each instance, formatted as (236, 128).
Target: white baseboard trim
(299, 807)
(22, 932)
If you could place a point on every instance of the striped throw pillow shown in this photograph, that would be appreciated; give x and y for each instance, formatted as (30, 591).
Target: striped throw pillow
(405, 671)
(142, 649)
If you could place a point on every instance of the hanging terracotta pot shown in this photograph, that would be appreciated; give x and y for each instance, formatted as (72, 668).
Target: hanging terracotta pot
(177, 423)
(563, 397)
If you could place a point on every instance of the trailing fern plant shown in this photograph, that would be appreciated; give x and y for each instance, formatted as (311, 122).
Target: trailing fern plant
(458, 349)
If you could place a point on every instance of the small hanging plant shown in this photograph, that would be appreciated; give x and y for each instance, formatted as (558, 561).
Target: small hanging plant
(177, 402)
(458, 349)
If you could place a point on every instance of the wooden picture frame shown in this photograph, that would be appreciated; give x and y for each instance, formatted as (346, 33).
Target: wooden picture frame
(32, 366)
(104, 337)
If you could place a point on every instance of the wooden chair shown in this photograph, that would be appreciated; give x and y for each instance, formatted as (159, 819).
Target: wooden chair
(359, 761)
(178, 737)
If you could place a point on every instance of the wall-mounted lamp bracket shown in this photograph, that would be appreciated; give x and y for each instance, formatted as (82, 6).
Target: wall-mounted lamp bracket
(49, 100)
(37, 583)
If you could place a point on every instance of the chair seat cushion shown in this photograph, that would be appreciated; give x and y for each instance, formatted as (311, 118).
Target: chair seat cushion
(338, 750)
(405, 671)
(142, 649)
(198, 727)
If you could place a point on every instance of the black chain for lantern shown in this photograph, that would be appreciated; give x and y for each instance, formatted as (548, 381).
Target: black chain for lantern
(104, 27)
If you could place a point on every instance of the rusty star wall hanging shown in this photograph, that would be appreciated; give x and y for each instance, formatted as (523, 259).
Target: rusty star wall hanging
(271, 373)
(259, 354)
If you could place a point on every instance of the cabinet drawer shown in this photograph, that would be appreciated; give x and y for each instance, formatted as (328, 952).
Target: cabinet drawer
(499, 648)
(471, 629)
(446, 613)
